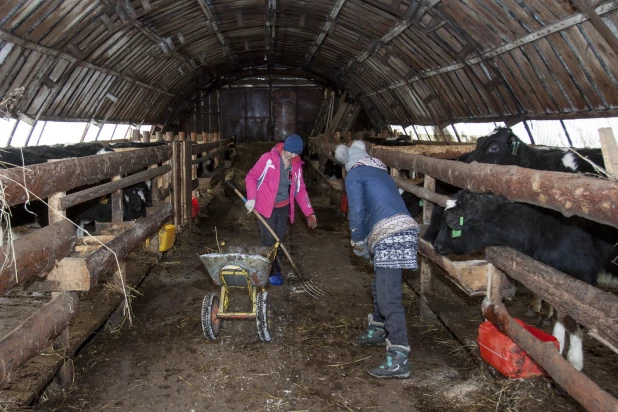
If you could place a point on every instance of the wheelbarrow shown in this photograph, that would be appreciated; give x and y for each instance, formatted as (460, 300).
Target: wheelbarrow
(238, 267)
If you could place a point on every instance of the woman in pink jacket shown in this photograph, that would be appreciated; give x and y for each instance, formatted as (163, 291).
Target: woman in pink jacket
(272, 185)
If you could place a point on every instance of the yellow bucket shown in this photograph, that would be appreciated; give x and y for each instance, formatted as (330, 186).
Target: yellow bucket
(166, 237)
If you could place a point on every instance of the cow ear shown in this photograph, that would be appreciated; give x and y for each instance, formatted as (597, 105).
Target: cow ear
(512, 140)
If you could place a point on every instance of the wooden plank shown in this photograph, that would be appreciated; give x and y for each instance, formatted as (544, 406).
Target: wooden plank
(48, 178)
(69, 274)
(82, 196)
(610, 151)
(36, 253)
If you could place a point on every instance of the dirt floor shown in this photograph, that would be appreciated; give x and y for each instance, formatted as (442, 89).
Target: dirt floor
(164, 363)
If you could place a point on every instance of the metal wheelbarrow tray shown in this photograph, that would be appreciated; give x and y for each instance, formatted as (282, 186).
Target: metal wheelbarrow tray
(238, 267)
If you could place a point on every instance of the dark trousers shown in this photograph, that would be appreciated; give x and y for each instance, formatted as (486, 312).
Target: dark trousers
(387, 305)
(278, 222)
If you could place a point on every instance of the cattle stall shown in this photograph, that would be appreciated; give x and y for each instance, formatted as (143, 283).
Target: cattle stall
(570, 194)
(54, 259)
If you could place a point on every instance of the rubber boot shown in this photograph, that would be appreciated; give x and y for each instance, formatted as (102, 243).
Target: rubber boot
(275, 279)
(375, 335)
(395, 366)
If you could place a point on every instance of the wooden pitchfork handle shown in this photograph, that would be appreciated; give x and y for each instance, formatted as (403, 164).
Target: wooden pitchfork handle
(272, 232)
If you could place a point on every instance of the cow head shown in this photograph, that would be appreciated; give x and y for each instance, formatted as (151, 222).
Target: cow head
(501, 147)
(462, 230)
(134, 205)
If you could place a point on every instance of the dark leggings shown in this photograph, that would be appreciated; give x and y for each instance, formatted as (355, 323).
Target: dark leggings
(387, 304)
(278, 222)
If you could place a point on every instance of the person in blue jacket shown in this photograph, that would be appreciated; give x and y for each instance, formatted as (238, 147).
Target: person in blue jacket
(380, 225)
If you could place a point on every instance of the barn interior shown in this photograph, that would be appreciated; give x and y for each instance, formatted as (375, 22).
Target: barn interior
(185, 96)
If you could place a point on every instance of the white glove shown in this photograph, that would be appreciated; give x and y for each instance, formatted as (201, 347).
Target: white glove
(250, 204)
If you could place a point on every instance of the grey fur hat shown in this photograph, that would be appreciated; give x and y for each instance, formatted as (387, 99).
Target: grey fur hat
(350, 156)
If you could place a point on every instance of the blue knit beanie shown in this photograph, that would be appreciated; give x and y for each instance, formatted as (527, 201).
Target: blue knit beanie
(293, 144)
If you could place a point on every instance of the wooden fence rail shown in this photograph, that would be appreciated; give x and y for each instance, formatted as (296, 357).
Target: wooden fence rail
(571, 194)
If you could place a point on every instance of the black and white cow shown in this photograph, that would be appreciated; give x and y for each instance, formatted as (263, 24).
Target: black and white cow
(503, 147)
(26, 156)
(135, 199)
(472, 222)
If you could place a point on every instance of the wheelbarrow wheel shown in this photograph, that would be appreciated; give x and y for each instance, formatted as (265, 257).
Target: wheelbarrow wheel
(210, 322)
(263, 317)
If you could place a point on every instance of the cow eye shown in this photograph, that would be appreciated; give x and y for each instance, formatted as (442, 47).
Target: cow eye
(494, 148)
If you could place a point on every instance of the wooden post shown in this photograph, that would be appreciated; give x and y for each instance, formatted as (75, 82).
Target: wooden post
(610, 151)
(204, 137)
(182, 136)
(159, 136)
(337, 138)
(176, 184)
(429, 184)
(55, 213)
(169, 136)
(116, 200)
(155, 184)
(425, 312)
(146, 136)
(218, 157)
(192, 165)
(348, 137)
(187, 181)
(135, 135)
(65, 375)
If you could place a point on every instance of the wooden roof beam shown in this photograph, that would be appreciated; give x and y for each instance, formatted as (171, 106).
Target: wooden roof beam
(332, 16)
(598, 23)
(212, 25)
(269, 30)
(127, 15)
(542, 33)
(26, 44)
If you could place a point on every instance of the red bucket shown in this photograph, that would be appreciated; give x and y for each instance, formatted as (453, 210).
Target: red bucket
(195, 208)
(502, 353)
(344, 204)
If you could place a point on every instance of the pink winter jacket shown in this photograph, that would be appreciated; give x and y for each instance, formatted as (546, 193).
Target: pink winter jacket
(262, 183)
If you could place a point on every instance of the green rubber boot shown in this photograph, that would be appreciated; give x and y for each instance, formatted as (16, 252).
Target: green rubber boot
(375, 335)
(395, 366)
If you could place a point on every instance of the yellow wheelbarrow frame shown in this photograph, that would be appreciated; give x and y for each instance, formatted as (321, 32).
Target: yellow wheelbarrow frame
(233, 268)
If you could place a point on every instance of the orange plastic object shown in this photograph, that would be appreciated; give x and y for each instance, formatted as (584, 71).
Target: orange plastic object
(344, 204)
(502, 353)
(195, 208)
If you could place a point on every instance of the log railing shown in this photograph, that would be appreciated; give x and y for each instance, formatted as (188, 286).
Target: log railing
(570, 194)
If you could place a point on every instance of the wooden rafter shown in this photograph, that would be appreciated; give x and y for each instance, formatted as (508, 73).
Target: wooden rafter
(325, 30)
(71, 59)
(269, 33)
(539, 34)
(211, 22)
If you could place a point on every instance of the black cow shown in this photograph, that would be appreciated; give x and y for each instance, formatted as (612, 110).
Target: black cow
(135, 199)
(503, 147)
(26, 156)
(472, 222)
(332, 170)
(390, 141)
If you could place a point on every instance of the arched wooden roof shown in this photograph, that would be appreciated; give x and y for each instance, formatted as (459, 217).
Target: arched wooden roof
(406, 61)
